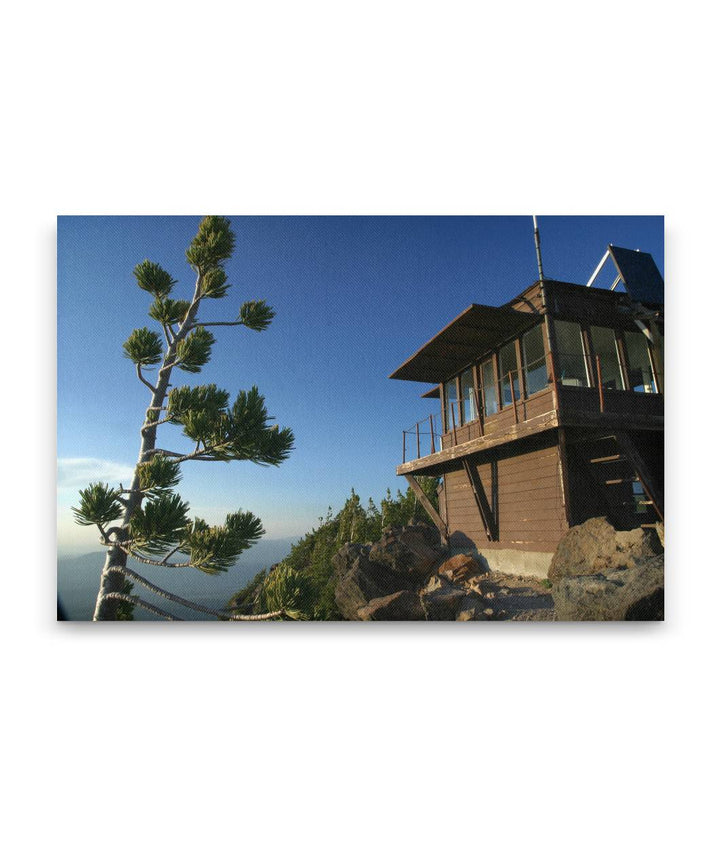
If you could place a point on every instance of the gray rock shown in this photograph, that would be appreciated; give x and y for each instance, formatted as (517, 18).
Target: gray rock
(595, 547)
(399, 606)
(631, 594)
(358, 580)
(409, 552)
(441, 599)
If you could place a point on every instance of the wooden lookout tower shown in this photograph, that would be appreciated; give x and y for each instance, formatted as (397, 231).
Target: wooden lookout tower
(551, 412)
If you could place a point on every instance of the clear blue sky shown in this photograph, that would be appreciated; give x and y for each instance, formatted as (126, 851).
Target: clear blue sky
(354, 297)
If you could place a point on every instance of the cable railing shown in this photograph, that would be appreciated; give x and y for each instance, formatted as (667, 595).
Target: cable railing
(423, 439)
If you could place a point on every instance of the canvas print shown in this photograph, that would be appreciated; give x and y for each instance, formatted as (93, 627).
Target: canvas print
(360, 418)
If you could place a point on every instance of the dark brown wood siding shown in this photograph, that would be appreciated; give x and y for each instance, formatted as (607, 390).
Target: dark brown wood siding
(579, 405)
(522, 483)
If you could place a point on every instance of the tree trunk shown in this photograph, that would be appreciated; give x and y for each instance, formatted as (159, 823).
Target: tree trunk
(106, 608)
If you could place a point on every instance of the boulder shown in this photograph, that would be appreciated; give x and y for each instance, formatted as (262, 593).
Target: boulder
(410, 552)
(595, 547)
(630, 594)
(441, 599)
(399, 606)
(460, 568)
(358, 580)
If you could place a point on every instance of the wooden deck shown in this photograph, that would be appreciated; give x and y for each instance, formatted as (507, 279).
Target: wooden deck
(543, 422)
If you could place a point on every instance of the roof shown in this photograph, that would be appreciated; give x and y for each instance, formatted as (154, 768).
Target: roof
(476, 330)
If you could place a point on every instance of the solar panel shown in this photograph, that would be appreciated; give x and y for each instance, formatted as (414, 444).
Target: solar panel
(640, 274)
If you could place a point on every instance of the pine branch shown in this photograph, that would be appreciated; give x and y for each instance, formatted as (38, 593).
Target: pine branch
(169, 553)
(140, 377)
(147, 425)
(136, 601)
(158, 563)
(218, 613)
(218, 324)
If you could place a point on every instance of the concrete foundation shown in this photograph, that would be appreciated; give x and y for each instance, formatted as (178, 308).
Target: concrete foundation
(519, 562)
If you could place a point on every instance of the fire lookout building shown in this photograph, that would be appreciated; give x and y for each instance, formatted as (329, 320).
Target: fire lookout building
(551, 412)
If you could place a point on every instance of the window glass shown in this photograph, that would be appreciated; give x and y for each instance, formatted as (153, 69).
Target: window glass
(605, 346)
(467, 391)
(487, 379)
(534, 368)
(509, 374)
(570, 356)
(640, 373)
(450, 394)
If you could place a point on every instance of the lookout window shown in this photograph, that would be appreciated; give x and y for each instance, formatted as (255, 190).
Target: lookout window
(570, 354)
(467, 393)
(605, 346)
(509, 374)
(450, 399)
(640, 373)
(487, 380)
(533, 354)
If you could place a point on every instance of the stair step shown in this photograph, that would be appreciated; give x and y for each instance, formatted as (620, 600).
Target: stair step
(620, 481)
(608, 459)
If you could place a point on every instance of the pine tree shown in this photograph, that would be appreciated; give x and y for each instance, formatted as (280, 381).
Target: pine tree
(148, 522)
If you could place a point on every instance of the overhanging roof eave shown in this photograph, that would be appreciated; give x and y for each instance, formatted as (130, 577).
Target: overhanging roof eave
(476, 330)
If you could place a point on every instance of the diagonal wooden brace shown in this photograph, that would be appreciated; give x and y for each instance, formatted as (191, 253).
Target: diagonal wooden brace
(481, 500)
(428, 506)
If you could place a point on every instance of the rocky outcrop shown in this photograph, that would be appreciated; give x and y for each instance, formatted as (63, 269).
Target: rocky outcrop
(358, 580)
(599, 574)
(411, 552)
(401, 561)
(596, 547)
(632, 594)
(407, 576)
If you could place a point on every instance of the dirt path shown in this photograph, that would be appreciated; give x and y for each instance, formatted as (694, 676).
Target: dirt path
(517, 598)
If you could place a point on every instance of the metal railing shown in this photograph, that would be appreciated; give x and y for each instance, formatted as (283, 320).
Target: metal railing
(423, 439)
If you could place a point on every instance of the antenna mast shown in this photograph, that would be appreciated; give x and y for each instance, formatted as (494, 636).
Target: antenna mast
(537, 247)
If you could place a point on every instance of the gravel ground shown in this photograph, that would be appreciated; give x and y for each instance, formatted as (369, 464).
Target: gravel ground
(517, 598)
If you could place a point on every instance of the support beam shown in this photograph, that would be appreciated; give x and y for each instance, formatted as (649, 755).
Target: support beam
(598, 268)
(481, 500)
(428, 506)
(652, 490)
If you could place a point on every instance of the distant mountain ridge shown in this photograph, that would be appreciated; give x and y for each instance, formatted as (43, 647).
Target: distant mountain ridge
(78, 578)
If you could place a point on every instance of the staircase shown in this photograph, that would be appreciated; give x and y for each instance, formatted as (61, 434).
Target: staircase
(627, 491)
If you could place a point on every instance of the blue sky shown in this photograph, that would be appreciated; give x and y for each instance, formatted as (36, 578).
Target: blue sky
(354, 297)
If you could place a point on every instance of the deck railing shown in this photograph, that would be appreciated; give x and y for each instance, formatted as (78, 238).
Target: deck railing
(426, 436)
(423, 439)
